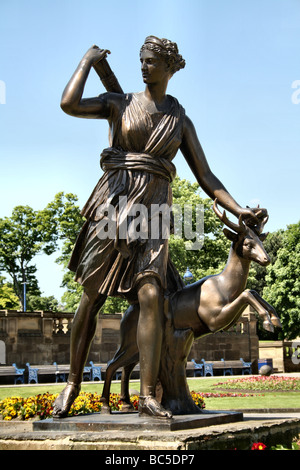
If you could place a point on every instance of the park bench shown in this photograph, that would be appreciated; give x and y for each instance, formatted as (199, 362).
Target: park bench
(94, 372)
(12, 371)
(193, 369)
(59, 371)
(98, 371)
(226, 367)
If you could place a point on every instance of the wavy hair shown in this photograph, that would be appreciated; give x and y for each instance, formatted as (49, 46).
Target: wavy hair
(167, 49)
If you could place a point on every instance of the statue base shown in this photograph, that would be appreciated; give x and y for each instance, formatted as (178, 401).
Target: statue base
(118, 421)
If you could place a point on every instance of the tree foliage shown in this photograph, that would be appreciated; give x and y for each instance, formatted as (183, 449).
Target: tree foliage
(8, 298)
(257, 276)
(282, 288)
(211, 258)
(22, 237)
(28, 233)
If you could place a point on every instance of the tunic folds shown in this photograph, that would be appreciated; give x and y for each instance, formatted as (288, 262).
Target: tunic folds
(120, 242)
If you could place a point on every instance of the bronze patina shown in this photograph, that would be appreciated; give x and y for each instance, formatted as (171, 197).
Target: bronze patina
(146, 131)
(207, 306)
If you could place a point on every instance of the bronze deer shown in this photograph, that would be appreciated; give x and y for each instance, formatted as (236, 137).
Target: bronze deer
(209, 305)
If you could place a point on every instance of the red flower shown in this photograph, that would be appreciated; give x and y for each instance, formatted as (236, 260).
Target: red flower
(258, 446)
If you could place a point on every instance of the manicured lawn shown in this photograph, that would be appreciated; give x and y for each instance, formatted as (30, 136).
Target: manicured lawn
(259, 400)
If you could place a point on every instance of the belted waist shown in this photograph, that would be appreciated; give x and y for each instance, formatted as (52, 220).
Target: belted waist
(117, 159)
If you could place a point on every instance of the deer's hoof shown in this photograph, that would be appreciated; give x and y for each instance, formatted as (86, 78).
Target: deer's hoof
(275, 321)
(105, 409)
(268, 326)
(127, 408)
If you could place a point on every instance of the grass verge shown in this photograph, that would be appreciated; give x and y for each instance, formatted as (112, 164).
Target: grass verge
(257, 400)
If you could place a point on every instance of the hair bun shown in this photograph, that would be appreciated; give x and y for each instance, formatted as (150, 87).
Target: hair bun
(167, 49)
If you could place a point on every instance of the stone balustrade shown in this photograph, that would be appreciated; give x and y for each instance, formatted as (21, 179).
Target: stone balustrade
(44, 337)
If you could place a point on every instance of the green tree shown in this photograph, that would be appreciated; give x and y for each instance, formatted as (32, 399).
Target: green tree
(211, 258)
(28, 233)
(283, 283)
(257, 275)
(8, 299)
(65, 219)
(62, 223)
(22, 237)
(39, 302)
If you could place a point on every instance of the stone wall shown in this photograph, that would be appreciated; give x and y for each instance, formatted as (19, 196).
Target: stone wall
(281, 353)
(273, 350)
(44, 337)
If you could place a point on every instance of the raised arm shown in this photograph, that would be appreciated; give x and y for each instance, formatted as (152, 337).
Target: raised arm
(72, 102)
(195, 157)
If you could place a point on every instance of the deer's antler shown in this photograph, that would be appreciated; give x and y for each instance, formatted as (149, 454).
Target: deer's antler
(239, 228)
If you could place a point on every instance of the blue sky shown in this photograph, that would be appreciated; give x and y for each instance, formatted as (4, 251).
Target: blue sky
(242, 59)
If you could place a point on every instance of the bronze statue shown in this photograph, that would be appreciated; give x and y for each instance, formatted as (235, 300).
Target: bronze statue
(211, 304)
(146, 131)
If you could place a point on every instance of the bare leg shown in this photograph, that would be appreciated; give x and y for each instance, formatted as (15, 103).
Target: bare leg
(149, 338)
(83, 330)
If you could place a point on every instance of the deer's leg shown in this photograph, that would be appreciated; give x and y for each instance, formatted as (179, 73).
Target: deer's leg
(232, 311)
(127, 352)
(235, 318)
(111, 369)
(229, 314)
(274, 317)
(261, 310)
(125, 396)
(126, 359)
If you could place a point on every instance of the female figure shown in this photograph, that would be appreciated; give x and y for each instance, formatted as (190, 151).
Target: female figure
(146, 130)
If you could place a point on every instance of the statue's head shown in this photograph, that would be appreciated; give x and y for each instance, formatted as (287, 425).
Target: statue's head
(165, 49)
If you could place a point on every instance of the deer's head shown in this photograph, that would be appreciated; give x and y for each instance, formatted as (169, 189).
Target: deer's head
(247, 241)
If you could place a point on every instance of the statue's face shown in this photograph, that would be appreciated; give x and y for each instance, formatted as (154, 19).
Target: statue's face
(153, 66)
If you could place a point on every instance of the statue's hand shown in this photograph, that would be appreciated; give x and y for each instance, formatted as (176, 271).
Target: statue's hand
(95, 54)
(253, 216)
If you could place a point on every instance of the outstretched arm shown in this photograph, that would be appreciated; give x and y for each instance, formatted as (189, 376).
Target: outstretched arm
(72, 102)
(195, 157)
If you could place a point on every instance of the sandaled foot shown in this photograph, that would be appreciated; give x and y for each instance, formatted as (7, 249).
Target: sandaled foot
(65, 400)
(149, 406)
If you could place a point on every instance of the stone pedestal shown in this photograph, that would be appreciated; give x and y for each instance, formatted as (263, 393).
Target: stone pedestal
(118, 421)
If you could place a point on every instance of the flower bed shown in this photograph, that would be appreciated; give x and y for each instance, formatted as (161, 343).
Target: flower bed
(41, 406)
(262, 383)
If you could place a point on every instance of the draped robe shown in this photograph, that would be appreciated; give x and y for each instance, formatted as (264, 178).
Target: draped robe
(138, 170)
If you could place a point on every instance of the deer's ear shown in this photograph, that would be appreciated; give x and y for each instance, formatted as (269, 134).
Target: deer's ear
(263, 236)
(230, 235)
